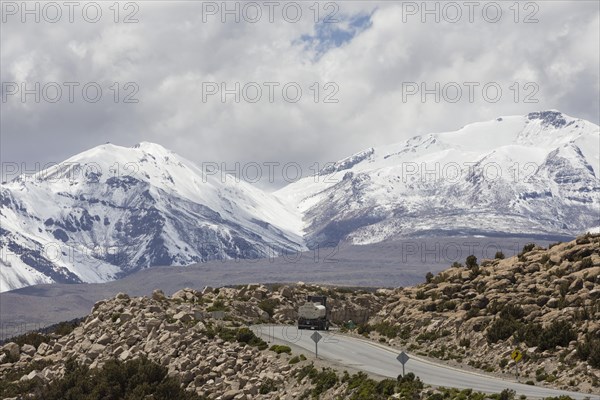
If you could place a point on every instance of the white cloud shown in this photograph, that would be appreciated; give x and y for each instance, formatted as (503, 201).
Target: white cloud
(171, 51)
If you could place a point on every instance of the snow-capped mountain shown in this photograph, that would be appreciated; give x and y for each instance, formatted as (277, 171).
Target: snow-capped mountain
(536, 175)
(112, 210)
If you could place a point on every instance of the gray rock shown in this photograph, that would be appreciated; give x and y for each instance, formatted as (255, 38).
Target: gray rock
(552, 303)
(124, 317)
(104, 339)
(229, 395)
(13, 350)
(95, 350)
(183, 316)
(28, 349)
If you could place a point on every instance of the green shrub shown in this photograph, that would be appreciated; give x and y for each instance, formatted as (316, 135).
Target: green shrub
(429, 277)
(499, 255)
(587, 263)
(281, 349)
(228, 335)
(507, 394)
(245, 335)
(305, 371)
(472, 313)
(471, 261)
(387, 329)
(323, 381)
(589, 350)
(559, 333)
(361, 387)
(32, 338)
(218, 305)
(512, 311)
(449, 305)
(501, 329)
(268, 386)
(294, 360)
(529, 333)
(269, 305)
(12, 386)
(428, 337)
(364, 329)
(527, 248)
(136, 379)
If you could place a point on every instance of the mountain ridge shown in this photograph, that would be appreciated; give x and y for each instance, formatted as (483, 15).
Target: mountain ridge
(115, 209)
(489, 168)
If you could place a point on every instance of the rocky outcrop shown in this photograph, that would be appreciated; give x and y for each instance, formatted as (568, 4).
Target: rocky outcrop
(195, 334)
(544, 302)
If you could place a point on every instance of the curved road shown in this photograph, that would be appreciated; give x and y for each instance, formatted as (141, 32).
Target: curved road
(381, 360)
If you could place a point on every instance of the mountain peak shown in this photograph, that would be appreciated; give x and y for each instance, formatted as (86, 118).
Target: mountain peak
(551, 118)
(154, 149)
(151, 147)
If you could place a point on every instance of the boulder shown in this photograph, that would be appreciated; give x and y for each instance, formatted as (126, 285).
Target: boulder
(552, 302)
(124, 317)
(13, 350)
(576, 285)
(95, 350)
(229, 395)
(183, 316)
(104, 339)
(28, 349)
(555, 259)
(286, 292)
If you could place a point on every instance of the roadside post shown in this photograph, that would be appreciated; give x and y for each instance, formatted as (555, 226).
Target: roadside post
(516, 355)
(316, 337)
(403, 358)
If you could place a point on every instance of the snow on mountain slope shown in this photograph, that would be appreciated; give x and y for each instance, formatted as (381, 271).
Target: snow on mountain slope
(534, 174)
(112, 210)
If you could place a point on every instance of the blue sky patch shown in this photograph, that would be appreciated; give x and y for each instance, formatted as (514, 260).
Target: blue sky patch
(331, 35)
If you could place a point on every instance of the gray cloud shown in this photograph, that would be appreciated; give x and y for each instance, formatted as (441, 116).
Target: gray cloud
(171, 51)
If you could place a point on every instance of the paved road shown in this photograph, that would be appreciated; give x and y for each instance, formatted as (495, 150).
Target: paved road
(381, 360)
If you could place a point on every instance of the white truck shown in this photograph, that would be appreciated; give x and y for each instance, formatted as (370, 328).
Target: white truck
(313, 314)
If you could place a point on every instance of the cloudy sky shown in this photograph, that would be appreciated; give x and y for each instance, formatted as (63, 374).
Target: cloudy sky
(361, 69)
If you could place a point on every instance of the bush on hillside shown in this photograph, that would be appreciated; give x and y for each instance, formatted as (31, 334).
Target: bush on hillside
(133, 380)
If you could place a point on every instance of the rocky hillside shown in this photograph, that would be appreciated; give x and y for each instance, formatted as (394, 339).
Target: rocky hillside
(210, 356)
(183, 347)
(546, 302)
